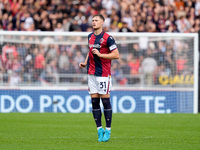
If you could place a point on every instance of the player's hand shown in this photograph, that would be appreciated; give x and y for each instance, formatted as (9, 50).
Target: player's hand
(95, 51)
(82, 65)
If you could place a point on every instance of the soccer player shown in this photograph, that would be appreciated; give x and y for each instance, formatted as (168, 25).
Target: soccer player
(102, 49)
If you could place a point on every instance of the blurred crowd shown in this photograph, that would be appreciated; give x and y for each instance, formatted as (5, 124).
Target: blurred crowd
(121, 15)
(159, 58)
(144, 61)
(45, 63)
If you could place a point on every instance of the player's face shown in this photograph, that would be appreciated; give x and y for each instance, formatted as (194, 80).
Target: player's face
(97, 23)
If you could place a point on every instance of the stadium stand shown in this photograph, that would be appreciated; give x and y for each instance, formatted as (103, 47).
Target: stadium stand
(75, 15)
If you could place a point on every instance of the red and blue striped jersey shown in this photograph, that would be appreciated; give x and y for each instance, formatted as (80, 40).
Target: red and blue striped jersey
(105, 44)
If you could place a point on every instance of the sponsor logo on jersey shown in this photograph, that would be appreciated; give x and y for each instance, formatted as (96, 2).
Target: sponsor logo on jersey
(94, 46)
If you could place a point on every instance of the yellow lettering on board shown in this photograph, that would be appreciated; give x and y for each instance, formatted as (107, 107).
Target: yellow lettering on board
(176, 79)
(187, 79)
(192, 80)
(171, 80)
(163, 80)
(181, 81)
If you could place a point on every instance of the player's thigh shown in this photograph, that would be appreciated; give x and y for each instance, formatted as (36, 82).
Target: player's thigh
(95, 95)
(92, 85)
(105, 95)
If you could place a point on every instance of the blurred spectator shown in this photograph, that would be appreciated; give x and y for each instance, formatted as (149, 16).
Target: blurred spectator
(66, 23)
(80, 17)
(148, 66)
(78, 58)
(50, 73)
(109, 4)
(84, 26)
(115, 71)
(39, 62)
(160, 54)
(124, 67)
(28, 21)
(160, 71)
(179, 4)
(15, 6)
(29, 64)
(72, 67)
(183, 24)
(74, 26)
(8, 49)
(125, 28)
(22, 51)
(170, 63)
(181, 63)
(161, 23)
(59, 27)
(136, 50)
(197, 8)
(113, 28)
(63, 60)
(1, 29)
(63, 72)
(1, 71)
(124, 47)
(52, 52)
(116, 21)
(84, 50)
(134, 64)
(15, 72)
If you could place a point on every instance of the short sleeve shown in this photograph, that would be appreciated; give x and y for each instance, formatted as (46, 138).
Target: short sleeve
(89, 36)
(111, 43)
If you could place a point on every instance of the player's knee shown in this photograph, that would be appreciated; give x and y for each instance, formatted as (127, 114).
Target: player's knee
(95, 103)
(106, 103)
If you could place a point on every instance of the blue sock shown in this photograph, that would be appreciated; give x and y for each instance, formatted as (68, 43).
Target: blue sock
(96, 110)
(107, 111)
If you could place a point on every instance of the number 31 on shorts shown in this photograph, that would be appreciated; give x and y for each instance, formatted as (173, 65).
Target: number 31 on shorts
(104, 85)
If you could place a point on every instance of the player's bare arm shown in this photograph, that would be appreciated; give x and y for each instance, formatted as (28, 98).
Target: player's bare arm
(84, 64)
(113, 55)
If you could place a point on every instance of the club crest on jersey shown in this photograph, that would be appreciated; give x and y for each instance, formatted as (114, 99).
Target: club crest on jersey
(101, 40)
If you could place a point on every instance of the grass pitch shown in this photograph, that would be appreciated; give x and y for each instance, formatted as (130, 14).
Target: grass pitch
(50, 131)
